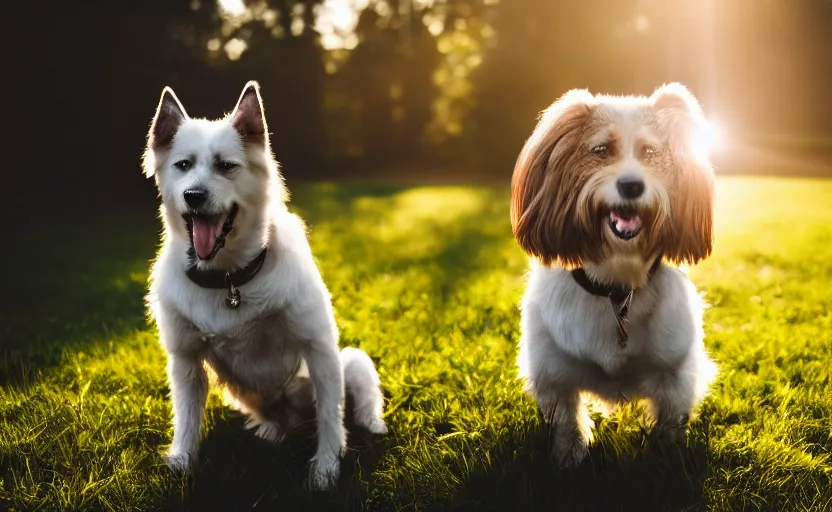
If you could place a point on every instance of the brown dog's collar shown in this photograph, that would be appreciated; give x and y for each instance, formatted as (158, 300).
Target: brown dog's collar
(620, 296)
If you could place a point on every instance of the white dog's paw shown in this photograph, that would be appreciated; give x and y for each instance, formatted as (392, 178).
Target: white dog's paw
(269, 431)
(372, 423)
(377, 426)
(265, 429)
(323, 473)
(180, 462)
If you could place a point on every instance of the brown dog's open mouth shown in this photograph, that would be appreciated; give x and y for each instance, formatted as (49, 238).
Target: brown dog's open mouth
(208, 232)
(624, 223)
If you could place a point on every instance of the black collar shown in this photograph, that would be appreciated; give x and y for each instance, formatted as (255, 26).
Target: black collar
(227, 279)
(619, 294)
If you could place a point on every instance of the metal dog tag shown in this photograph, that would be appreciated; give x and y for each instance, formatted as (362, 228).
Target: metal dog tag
(620, 312)
(232, 300)
(624, 308)
(622, 335)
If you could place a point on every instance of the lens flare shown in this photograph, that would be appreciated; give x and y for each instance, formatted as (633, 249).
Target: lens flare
(711, 138)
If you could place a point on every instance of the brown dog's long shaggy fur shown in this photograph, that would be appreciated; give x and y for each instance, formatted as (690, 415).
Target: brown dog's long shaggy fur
(541, 180)
(690, 237)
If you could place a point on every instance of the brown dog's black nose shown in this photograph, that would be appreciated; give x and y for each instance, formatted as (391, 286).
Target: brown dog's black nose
(196, 197)
(630, 187)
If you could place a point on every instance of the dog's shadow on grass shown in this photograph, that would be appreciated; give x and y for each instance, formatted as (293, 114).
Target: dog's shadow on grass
(655, 475)
(239, 471)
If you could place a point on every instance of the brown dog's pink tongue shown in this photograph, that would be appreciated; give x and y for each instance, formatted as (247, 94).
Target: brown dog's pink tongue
(624, 223)
(205, 233)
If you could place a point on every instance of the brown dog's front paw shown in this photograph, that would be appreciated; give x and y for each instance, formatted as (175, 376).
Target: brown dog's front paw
(672, 430)
(571, 445)
(569, 452)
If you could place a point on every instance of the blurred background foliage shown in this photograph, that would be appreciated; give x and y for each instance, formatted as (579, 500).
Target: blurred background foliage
(419, 90)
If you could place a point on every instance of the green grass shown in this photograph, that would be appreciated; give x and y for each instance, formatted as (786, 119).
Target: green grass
(427, 281)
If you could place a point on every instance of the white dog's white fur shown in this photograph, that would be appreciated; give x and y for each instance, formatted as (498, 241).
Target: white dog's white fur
(565, 203)
(277, 354)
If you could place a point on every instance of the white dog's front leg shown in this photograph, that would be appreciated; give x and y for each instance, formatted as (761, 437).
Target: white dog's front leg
(189, 389)
(327, 377)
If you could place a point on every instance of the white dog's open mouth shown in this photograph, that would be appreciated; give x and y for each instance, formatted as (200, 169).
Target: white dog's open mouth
(208, 232)
(624, 223)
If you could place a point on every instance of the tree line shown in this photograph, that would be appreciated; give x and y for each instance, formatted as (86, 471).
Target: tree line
(456, 82)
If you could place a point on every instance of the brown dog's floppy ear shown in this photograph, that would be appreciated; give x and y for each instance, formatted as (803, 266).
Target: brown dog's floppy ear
(676, 96)
(248, 118)
(546, 217)
(169, 116)
(690, 230)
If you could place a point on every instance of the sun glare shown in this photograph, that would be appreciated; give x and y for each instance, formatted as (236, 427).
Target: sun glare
(711, 138)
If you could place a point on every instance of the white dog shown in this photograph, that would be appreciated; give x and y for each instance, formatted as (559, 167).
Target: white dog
(604, 190)
(235, 286)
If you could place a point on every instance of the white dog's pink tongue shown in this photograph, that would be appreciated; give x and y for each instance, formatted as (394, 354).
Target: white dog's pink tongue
(625, 224)
(205, 232)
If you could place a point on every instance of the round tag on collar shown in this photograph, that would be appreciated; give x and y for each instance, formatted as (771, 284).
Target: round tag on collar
(232, 300)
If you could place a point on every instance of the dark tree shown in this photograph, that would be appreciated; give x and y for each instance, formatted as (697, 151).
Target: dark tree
(389, 78)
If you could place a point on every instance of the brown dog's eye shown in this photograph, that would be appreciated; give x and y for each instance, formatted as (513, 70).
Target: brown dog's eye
(601, 150)
(648, 151)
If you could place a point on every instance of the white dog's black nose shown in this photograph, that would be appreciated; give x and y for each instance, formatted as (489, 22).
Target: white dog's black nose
(196, 197)
(630, 187)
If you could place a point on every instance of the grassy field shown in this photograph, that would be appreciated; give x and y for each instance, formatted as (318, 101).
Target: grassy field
(427, 281)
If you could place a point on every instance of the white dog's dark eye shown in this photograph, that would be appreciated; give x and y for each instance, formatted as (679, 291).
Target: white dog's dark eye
(225, 165)
(649, 151)
(600, 149)
(184, 165)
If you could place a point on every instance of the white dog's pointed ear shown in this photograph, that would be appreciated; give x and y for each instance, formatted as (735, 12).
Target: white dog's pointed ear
(248, 118)
(169, 115)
